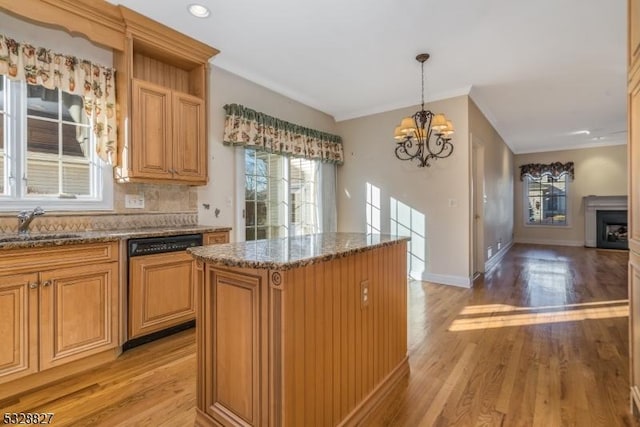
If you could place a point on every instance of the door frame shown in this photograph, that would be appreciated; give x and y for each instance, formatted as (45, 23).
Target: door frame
(476, 178)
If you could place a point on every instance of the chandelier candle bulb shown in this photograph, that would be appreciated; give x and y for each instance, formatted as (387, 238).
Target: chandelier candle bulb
(423, 136)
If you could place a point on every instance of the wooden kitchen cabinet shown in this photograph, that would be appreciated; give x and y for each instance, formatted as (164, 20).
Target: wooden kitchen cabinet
(169, 130)
(163, 92)
(54, 311)
(18, 326)
(216, 237)
(161, 292)
(78, 312)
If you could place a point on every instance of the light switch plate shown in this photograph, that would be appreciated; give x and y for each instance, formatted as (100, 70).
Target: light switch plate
(134, 201)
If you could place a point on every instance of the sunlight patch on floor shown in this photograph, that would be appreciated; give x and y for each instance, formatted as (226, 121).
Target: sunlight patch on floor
(501, 308)
(557, 316)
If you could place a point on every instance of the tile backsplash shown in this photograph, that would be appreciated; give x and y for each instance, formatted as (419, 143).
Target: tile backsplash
(164, 205)
(157, 198)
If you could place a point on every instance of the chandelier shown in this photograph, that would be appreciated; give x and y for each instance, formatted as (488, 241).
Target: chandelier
(425, 135)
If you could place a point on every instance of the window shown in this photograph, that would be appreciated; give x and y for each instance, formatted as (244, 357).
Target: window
(280, 195)
(546, 200)
(47, 150)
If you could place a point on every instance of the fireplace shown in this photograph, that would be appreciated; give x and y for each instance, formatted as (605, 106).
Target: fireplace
(592, 206)
(612, 229)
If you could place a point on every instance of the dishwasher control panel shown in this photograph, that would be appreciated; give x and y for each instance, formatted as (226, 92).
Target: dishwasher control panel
(156, 245)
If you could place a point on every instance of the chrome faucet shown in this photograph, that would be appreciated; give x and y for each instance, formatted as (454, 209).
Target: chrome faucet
(25, 218)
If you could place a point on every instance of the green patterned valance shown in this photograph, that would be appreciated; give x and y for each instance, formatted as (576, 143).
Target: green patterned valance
(251, 129)
(538, 170)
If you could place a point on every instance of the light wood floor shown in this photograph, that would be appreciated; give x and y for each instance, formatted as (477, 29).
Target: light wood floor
(541, 341)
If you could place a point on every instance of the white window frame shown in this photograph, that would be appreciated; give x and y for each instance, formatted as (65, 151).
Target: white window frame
(15, 137)
(240, 194)
(525, 206)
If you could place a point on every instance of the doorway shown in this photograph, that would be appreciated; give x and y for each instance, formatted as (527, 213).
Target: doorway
(477, 206)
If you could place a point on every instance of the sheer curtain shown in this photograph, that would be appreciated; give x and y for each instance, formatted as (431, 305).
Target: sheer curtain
(328, 212)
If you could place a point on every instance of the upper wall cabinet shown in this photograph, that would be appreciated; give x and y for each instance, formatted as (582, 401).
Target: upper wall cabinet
(163, 77)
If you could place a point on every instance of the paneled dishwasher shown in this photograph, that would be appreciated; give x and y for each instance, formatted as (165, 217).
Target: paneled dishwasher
(161, 290)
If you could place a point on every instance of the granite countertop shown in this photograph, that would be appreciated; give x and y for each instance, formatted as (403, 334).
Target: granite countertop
(37, 240)
(291, 252)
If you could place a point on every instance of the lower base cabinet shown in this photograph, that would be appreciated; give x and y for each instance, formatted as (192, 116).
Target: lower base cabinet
(161, 292)
(60, 311)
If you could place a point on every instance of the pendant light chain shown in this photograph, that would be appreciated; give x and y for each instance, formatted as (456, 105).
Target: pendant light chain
(422, 64)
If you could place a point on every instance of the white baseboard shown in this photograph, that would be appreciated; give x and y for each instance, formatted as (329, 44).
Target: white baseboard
(445, 279)
(550, 242)
(493, 261)
(591, 243)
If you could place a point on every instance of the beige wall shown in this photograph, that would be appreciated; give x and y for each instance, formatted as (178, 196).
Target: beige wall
(441, 192)
(497, 218)
(228, 88)
(600, 171)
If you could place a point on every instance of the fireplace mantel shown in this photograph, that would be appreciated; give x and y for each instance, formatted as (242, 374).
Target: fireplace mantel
(592, 204)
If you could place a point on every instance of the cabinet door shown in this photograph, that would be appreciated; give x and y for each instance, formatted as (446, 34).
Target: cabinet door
(151, 146)
(18, 326)
(78, 312)
(161, 292)
(189, 139)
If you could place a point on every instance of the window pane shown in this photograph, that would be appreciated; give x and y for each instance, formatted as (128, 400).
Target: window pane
(250, 233)
(42, 137)
(547, 201)
(262, 163)
(75, 141)
(250, 213)
(262, 187)
(76, 179)
(1, 93)
(42, 102)
(72, 109)
(249, 162)
(262, 233)
(249, 188)
(42, 172)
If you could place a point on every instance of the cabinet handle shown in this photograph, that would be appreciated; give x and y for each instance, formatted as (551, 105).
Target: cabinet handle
(33, 285)
(47, 283)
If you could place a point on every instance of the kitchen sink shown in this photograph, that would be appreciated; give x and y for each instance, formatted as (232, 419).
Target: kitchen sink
(35, 237)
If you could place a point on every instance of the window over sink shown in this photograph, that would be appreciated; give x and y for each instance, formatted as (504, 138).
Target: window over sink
(47, 151)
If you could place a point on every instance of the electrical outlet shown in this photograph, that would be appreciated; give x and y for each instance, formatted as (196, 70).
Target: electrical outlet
(364, 293)
(134, 201)
(499, 245)
(489, 252)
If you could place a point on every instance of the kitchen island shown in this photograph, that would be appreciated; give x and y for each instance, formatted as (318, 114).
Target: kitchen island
(300, 331)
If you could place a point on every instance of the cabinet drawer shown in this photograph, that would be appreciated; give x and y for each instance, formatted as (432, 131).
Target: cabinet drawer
(34, 259)
(215, 238)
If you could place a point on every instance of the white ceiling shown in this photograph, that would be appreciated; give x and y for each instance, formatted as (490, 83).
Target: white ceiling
(539, 70)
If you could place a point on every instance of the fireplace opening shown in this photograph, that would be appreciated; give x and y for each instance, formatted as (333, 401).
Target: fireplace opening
(612, 229)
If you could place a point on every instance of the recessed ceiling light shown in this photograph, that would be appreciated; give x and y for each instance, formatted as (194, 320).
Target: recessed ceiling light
(198, 10)
(580, 132)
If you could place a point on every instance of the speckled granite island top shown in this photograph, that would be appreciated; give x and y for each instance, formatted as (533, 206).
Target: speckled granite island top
(291, 252)
(37, 240)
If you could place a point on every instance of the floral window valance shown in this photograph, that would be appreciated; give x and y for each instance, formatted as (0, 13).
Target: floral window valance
(246, 127)
(538, 170)
(93, 82)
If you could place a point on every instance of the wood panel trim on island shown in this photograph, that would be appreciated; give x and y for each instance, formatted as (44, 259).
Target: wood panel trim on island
(313, 352)
(633, 149)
